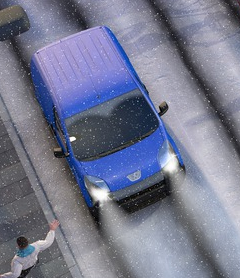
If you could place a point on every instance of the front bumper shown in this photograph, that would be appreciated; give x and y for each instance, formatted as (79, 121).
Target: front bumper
(146, 197)
(152, 193)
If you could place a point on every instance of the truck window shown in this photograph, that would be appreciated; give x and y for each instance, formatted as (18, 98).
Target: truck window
(111, 126)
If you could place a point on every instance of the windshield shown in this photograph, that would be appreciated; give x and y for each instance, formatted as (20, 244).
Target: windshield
(111, 126)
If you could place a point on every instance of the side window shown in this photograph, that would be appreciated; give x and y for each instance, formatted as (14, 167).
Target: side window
(59, 129)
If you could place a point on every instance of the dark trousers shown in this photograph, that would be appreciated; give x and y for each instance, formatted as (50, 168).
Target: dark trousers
(25, 272)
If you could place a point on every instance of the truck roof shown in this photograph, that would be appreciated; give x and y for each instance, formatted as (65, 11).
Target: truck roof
(84, 69)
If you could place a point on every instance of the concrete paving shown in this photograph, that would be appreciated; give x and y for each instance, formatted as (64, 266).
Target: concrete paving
(21, 214)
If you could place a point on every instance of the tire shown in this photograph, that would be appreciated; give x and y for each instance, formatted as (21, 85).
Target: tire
(13, 21)
(95, 212)
(168, 190)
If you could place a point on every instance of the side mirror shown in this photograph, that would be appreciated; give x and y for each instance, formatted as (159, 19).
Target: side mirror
(13, 21)
(163, 108)
(58, 153)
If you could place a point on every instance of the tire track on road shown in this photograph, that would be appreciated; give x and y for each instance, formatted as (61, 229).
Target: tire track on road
(185, 28)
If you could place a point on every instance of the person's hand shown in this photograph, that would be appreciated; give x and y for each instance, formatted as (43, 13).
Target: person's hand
(53, 225)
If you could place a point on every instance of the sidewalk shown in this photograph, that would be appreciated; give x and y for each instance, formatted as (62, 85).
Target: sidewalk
(54, 191)
(21, 214)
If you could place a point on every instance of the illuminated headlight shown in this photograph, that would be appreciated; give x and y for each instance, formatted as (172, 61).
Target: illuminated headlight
(172, 166)
(168, 159)
(97, 189)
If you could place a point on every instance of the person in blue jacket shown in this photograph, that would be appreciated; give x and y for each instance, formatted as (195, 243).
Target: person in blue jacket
(27, 254)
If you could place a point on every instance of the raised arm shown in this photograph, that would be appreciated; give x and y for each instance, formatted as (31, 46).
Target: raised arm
(44, 244)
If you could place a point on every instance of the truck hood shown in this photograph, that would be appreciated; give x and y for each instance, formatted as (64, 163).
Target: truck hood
(140, 158)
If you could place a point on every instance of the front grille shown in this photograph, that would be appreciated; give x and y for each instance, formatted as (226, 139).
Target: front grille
(137, 186)
(142, 193)
(146, 197)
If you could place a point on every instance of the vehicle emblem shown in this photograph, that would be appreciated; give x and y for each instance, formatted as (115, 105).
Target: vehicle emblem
(134, 176)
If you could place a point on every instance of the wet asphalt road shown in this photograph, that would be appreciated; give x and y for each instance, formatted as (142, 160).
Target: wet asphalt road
(187, 53)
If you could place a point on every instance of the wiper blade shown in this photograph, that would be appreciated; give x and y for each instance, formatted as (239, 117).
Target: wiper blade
(102, 154)
(121, 147)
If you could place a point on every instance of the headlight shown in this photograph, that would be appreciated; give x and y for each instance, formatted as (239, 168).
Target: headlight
(167, 158)
(172, 166)
(97, 189)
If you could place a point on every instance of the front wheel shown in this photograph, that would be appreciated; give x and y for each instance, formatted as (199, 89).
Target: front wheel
(175, 177)
(95, 212)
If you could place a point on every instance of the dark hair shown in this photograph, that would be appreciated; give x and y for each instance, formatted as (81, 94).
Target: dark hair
(22, 242)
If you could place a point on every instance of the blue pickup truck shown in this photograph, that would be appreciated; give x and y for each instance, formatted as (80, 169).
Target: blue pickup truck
(104, 120)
